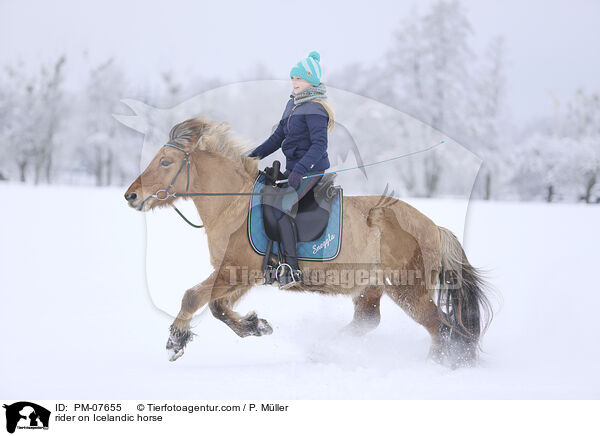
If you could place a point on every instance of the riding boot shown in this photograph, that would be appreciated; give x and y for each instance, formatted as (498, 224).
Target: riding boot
(288, 235)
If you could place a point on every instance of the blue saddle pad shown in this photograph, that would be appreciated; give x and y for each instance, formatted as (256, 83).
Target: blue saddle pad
(326, 247)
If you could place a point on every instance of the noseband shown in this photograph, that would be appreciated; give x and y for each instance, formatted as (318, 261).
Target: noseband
(166, 194)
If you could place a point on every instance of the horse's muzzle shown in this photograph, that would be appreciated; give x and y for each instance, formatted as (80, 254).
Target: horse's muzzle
(131, 196)
(133, 200)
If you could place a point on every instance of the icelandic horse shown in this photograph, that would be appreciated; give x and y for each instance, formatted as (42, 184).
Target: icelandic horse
(422, 267)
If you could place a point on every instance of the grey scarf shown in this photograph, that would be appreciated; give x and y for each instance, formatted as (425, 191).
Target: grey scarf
(311, 93)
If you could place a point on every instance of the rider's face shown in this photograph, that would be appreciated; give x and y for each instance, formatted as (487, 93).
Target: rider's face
(300, 85)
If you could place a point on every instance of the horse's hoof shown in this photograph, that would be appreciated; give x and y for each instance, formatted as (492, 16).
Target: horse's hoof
(174, 355)
(454, 354)
(176, 343)
(263, 327)
(359, 328)
(255, 326)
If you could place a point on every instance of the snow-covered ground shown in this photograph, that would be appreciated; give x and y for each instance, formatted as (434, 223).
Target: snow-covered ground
(81, 319)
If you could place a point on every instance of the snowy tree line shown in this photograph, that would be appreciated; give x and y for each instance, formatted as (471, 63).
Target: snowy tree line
(52, 134)
(431, 72)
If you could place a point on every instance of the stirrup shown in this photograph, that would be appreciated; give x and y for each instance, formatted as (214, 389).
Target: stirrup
(282, 266)
(293, 280)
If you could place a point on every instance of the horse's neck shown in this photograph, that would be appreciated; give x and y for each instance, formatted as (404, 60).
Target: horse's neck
(221, 175)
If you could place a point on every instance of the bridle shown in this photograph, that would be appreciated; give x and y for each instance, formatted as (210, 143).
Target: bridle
(185, 161)
(164, 194)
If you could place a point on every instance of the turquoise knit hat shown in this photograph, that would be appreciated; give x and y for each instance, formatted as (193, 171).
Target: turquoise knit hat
(308, 68)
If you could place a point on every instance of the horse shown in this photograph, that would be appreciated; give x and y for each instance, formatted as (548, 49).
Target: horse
(422, 267)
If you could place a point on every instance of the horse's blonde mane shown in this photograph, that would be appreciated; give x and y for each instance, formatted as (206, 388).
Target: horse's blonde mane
(197, 134)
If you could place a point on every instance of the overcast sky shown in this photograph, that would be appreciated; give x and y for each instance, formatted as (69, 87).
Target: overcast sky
(551, 45)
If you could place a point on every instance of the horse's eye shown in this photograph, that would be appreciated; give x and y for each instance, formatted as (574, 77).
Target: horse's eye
(165, 163)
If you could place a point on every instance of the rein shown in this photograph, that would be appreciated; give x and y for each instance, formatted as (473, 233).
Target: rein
(186, 162)
(164, 194)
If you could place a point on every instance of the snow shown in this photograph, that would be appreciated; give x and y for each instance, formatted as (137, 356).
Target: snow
(81, 319)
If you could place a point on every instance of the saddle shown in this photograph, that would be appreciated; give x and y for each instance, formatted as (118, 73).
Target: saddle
(311, 212)
(318, 217)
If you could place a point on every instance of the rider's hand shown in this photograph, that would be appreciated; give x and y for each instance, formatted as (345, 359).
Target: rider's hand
(294, 179)
(250, 153)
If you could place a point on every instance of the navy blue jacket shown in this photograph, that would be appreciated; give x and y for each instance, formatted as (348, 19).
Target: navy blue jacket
(302, 136)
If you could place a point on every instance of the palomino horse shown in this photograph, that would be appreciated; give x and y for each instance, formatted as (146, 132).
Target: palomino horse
(420, 266)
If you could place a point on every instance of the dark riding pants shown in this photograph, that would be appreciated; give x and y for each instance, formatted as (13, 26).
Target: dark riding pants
(285, 208)
(285, 203)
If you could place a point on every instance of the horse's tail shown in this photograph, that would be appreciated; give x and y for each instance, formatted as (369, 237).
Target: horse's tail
(464, 308)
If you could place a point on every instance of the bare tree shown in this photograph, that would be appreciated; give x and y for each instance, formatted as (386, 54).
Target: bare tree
(583, 125)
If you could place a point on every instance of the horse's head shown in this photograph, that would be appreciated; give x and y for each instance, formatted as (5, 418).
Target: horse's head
(170, 170)
(195, 147)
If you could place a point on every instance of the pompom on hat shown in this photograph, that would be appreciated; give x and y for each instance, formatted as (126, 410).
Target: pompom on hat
(308, 69)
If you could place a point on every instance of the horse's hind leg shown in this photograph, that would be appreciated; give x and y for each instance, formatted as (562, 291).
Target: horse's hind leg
(249, 325)
(366, 311)
(401, 251)
(417, 303)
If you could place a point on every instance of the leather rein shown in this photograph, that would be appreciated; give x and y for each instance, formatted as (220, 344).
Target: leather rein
(164, 194)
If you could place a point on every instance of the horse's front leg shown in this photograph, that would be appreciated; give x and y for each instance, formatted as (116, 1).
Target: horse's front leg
(217, 285)
(222, 288)
(249, 325)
